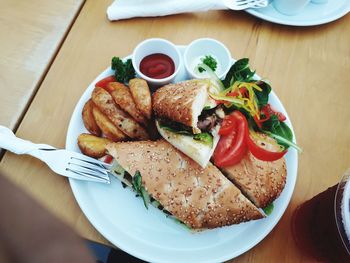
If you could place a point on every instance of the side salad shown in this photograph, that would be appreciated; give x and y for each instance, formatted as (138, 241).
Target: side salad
(251, 122)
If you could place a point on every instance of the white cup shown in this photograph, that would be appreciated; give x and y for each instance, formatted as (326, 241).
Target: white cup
(290, 7)
(201, 47)
(152, 46)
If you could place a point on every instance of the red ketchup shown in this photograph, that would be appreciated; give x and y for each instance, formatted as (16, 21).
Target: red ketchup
(157, 66)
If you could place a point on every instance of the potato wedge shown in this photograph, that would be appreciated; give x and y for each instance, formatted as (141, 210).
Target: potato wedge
(107, 127)
(122, 96)
(92, 145)
(88, 119)
(142, 96)
(104, 101)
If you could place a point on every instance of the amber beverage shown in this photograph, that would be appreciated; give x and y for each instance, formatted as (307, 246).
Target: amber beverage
(321, 225)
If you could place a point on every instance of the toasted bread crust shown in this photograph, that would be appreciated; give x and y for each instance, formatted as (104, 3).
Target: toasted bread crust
(175, 101)
(262, 182)
(201, 198)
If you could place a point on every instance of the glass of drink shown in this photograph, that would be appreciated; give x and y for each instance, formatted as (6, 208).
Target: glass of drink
(321, 225)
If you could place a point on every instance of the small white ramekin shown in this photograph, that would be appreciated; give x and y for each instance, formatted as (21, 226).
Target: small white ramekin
(153, 46)
(207, 46)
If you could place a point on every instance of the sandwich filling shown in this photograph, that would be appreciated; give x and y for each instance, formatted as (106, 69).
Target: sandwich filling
(199, 197)
(188, 118)
(135, 183)
(207, 126)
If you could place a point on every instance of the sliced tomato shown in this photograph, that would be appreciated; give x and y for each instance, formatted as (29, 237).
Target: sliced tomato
(262, 154)
(229, 123)
(267, 111)
(104, 82)
(232, 147)
(272, 110)
(281, 116)
(108, 159)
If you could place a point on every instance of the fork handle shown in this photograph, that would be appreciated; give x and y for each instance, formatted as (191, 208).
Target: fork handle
(10, 142)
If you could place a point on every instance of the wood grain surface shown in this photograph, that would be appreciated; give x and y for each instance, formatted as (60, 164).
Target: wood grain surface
(308, 68)
(31, 33)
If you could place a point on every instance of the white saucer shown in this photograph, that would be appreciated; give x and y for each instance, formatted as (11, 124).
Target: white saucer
(313, 14)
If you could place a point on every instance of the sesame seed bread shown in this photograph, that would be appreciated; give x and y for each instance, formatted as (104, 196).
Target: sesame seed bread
(199, 197)
(182, 102)
(262, 182)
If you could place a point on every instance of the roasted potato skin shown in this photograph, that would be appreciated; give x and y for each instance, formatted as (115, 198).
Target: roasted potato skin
(92, 145)
(104, 101)
(89, 120)
(122, 96)
(142, 96)
(107, 127)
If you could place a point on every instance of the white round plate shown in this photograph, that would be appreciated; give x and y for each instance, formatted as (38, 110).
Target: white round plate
(313, 14)
(148, 234)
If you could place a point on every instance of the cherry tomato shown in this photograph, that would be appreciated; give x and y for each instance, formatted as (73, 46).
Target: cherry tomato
(272, 110)
(104, 82)
(281, 116)
(262, 154)
(268, 110)
(232, 147)
(108, 159)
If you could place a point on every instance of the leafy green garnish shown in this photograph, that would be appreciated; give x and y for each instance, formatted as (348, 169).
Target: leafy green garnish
(241, 76)
(124, 71)
(137, 182)
(118, 169)
(280, 132)
(204, 137)
(155, 203)
(207, 107)
(139, 189)
(262, 97)
(273, 125)
(268, 209)
(283, 140)
(181, 129)
(210, 62)
(239, 71)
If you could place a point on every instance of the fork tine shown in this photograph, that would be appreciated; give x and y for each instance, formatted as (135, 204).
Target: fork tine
(87, 173)
(88, 169)
(96, 163)
(89, 165)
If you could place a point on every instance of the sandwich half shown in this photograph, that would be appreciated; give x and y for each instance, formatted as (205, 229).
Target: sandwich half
(262, 182)
(199, 197)
(188, 118)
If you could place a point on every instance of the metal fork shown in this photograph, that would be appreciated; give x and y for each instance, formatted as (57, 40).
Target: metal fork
(63, 162)
(245, 4)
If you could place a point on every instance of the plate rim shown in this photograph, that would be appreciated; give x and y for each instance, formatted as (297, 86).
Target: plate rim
(104, 232)
(313, 22)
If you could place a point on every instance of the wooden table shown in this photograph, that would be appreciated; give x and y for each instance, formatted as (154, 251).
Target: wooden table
(31, 33)
(307, 67)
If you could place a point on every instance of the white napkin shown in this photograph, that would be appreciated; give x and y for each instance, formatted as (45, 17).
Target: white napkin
(123, 9)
